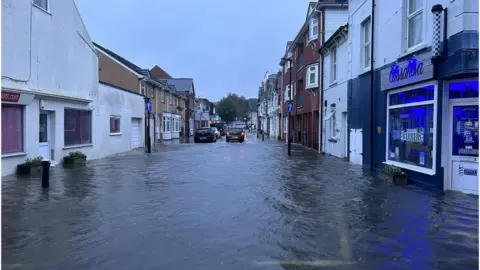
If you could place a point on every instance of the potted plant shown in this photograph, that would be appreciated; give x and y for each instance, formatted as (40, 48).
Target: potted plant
(74, 160)
(31, 167)
(394, 174)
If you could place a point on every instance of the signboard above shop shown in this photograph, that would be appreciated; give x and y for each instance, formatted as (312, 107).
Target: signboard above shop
(16, 98)
(412, 70)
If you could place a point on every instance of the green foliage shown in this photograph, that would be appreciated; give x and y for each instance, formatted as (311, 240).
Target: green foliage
(37, 161)
(227, 109)
(392, 170)
(76, 154)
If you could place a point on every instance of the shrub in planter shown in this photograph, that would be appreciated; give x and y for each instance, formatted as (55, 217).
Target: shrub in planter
(74, 160)
(393, 174)
(31, 167)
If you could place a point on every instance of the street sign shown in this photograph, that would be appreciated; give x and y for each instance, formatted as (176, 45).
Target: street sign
(290, 107)
(148, 106)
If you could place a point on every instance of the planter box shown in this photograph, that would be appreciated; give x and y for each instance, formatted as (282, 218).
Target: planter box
(75, 162)
(29, 170)
(397, 179)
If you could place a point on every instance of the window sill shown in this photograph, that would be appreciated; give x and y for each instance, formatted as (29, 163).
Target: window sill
(333, 139)
(413, 49)
(311, 86)
(426, 171)
(333, 83)
(310, 39)
(365, 70)
(18, 154)
(42, 9)
(77, 146)
(116, 134)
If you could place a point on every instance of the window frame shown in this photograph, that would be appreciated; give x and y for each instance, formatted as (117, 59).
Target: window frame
(333, 125)
(407, 17)
(119, 118)
(23, 130)
(143, 88)
(309, 73)
(366, 65)
(91, 127)
(333, 65)
(311, 35)
(162, 96)
(433, 102)
(47, 8)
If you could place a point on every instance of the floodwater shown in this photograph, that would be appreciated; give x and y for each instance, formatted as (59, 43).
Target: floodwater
(232, 206)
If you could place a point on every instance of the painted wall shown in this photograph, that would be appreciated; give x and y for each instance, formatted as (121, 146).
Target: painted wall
(336, 93)
(115, 102)
(51, 51)
(334, 18)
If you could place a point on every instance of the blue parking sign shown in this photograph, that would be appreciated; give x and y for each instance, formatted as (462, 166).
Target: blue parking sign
(148, 106)
(290, 107)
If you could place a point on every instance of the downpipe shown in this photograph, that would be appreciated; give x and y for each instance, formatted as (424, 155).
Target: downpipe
(372, 107)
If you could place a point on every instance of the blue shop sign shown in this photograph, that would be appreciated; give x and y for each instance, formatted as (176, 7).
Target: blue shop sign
(415, 69)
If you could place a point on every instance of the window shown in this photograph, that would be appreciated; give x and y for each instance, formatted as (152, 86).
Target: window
(333, 71)
(12, 129)
(77, 127)
(162, 96)
(313, 29)
(142, 88)
(114, 124)
(333, 126)
(312, 76)
(415, 22)
(287, 93)
(176, 101)
(366, 44)
(170, 99)
(166, 124)
(43, 4)
(410, 126)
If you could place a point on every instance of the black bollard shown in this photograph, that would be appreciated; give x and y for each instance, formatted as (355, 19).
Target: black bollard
(263, 136)
(45, 173)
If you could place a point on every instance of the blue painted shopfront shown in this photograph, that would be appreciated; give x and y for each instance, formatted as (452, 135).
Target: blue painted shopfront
(415, 109)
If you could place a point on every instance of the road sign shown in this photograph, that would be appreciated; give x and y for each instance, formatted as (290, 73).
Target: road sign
(290, 107)
(148, 106)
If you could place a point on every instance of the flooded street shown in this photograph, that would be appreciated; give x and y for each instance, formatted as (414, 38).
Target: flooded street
(232, 206)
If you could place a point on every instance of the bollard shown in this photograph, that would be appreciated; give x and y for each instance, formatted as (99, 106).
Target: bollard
(263, 136)
(45, 173)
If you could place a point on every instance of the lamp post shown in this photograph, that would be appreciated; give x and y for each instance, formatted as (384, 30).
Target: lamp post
(289, 135)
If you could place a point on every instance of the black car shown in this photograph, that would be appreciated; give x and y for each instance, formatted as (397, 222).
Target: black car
(205, 135)
(235, 134)
(221, 127)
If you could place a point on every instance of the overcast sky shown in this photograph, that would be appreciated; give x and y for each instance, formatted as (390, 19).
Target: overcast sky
(225, 46)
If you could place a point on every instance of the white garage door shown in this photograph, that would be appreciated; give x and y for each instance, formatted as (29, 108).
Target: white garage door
(136, 128)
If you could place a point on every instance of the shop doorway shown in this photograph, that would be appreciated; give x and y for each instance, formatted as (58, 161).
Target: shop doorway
(44, 136)
(463, 137)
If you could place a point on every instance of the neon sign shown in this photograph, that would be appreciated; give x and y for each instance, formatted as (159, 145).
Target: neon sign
(412, 135)
(412, 69)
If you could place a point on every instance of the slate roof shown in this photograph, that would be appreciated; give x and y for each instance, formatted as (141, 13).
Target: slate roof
(121, 59)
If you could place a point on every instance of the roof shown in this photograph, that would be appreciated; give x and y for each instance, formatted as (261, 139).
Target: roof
(181, 84)
(120, 59)
(329, 42)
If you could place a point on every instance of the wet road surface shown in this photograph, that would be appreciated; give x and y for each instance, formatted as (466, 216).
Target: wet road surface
(232, 206)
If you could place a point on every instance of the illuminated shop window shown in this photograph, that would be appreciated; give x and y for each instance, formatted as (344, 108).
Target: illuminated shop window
(411, 129)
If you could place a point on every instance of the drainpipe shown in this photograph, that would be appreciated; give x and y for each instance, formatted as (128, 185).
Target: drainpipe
(372, 70)
(320, 108)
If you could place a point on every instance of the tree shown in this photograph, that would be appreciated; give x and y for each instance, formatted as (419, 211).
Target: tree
(241, 104)
(226, 109)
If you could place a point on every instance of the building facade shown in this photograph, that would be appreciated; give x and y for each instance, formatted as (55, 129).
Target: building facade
(416, 107)
(303, 63)
(49, 83)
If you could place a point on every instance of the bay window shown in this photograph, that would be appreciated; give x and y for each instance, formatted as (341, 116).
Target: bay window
(312, 76)
(166, 124)
(411, 129)
(77, 127)
(12, 129)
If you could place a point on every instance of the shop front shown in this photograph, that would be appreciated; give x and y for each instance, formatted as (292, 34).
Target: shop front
(411, 118)
(460, 155)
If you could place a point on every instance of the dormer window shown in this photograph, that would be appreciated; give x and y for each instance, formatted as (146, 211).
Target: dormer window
(313, 29)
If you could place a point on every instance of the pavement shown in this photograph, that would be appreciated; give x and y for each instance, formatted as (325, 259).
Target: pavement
(232, 206)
